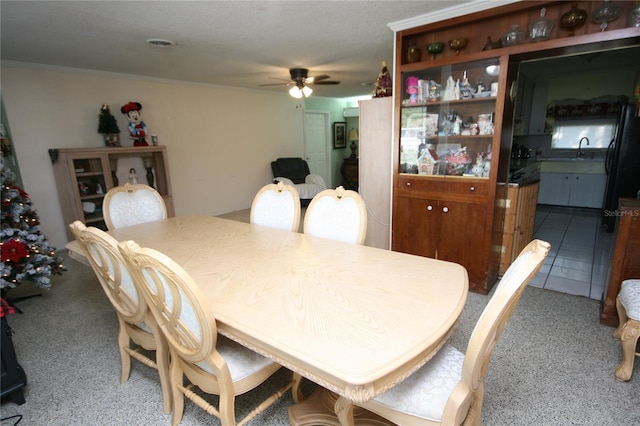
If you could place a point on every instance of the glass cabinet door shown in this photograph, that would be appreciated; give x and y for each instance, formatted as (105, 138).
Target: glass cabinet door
(447, 119)
(92, 185)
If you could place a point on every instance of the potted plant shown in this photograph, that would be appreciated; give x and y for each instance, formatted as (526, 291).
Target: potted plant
(108, 127)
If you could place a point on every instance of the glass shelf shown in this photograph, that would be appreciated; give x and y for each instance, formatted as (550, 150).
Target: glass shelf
(447, 120)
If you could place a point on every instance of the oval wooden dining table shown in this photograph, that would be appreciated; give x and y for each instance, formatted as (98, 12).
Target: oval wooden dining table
(354, 319)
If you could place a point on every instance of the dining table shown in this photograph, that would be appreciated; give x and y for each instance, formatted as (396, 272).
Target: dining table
(354, 319)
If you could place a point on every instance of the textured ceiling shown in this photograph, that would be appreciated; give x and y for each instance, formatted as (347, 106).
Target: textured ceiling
(228, 43)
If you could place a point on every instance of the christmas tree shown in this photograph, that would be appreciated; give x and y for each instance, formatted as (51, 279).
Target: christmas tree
(26, 254)
(108, 126)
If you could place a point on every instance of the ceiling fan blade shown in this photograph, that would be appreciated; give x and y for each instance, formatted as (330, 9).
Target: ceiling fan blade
(277, 84)
(317, 78)
(327, 82)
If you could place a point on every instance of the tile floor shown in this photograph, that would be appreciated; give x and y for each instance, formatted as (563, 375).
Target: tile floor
(580, 256)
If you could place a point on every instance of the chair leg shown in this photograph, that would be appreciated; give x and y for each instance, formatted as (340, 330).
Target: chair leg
(125, 358)
(162, 363)
(628, 339)
(622, 319)
(177, 397)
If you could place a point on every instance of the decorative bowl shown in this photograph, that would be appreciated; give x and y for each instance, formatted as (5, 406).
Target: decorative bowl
(458, 44)
(573, 19)
(435, 48)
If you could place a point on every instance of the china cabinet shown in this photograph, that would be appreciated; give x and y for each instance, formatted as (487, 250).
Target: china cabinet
(84, 175)
(449, 142)
(453, 126)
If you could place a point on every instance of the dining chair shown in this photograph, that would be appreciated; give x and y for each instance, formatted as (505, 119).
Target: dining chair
(337, 214)
(276, 206)
(132, 204)
(208, 360)
(628, 331)
(449, 388)
(136, 323)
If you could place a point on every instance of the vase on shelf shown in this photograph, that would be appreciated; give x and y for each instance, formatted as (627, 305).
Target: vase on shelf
(148, 165)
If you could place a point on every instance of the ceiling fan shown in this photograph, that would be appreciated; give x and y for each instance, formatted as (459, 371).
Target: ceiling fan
(300, 81)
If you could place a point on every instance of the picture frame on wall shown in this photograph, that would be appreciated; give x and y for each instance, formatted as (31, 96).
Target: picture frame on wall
(339, 135)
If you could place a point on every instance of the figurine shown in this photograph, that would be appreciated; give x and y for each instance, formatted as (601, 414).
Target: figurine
(449, 91)
(133, 176)
(383, 86)
(412, 89)
(457, 126)
(478, 168)
(99, 189)
(137, 128)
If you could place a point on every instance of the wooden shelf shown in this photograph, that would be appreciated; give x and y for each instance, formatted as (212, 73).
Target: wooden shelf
(96, 166)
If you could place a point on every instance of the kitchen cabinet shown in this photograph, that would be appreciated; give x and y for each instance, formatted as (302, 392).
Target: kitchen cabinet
(84, 176)
(531, 106)
(519, 223)
(572, 189)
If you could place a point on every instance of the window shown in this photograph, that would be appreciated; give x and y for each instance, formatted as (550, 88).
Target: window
(567, 134)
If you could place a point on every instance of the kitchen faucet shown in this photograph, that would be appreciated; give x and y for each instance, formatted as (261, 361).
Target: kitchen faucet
(580, 154)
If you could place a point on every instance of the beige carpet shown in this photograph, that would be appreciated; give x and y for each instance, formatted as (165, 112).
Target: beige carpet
(553, 366)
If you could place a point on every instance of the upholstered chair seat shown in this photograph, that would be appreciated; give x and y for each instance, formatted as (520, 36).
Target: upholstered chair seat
(628, 332)
(425, 393)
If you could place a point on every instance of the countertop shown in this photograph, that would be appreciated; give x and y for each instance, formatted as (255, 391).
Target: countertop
(528, 169)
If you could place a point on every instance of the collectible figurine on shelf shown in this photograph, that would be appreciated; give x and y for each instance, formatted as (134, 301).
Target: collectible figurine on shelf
(137, 128)
(133, 176)
(412, 89)
(449, 91)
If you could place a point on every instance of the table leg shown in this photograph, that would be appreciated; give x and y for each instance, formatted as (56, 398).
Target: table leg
(319, 410)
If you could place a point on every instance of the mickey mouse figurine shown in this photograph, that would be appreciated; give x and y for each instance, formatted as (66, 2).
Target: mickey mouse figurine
(137, 128)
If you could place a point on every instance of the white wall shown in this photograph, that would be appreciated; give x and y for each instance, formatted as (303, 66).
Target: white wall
(220, 141)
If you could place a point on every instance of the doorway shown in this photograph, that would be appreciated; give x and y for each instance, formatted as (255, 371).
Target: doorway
(316, 142)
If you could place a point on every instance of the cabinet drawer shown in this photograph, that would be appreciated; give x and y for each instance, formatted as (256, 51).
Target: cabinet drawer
(466, 187)
(413, 184)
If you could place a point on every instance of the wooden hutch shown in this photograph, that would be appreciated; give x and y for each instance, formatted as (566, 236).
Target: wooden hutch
(84, 175)
(452, 152)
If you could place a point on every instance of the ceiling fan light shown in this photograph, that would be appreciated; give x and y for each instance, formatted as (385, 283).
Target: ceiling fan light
(307, 91)
(295, 92)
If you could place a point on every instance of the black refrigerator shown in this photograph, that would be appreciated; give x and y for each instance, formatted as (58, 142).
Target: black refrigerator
(622, 164)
